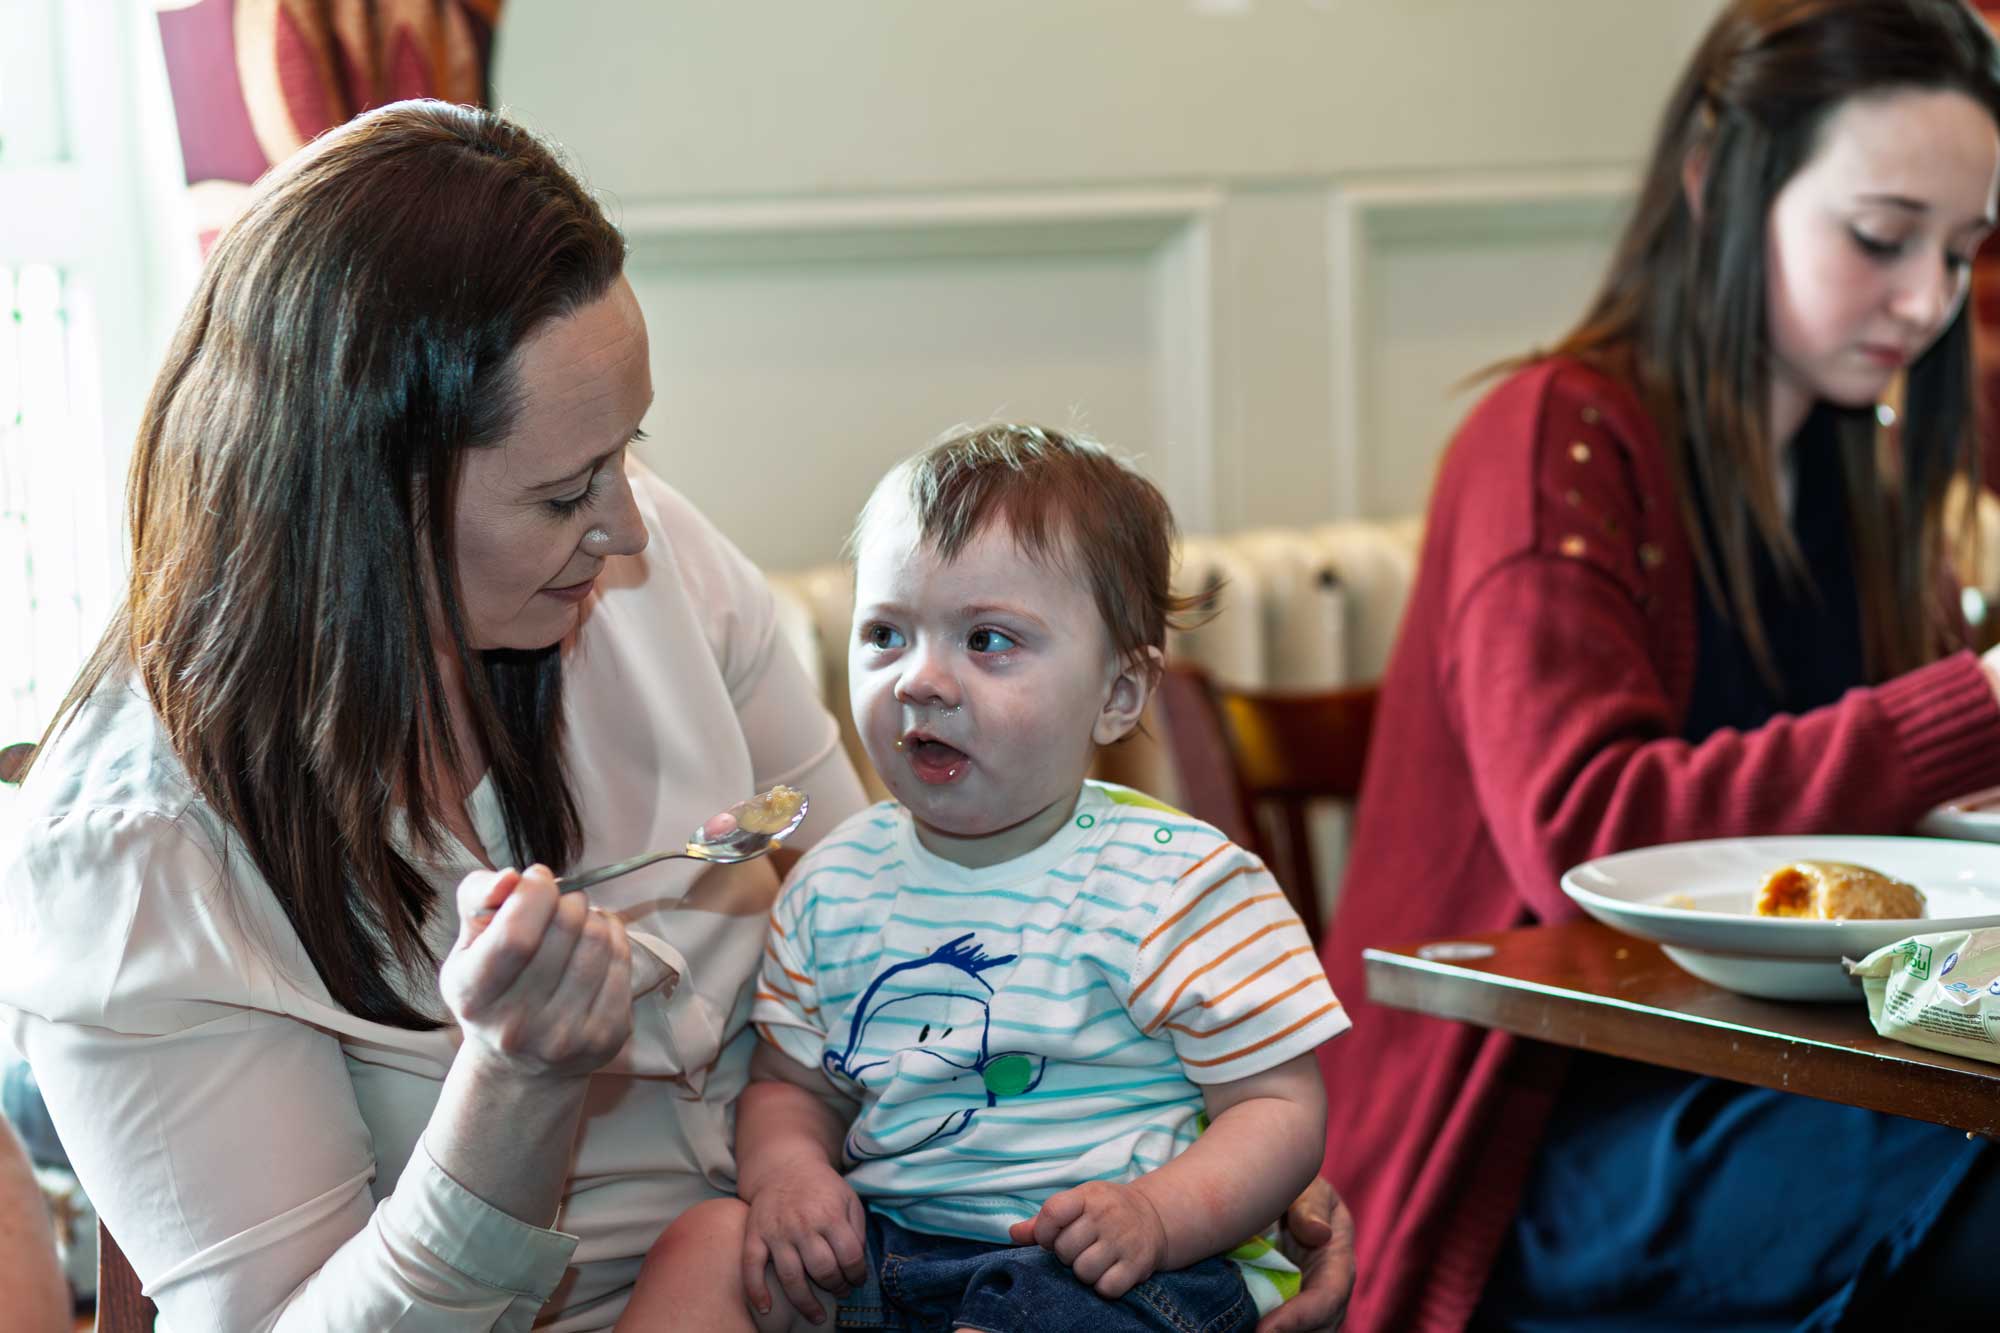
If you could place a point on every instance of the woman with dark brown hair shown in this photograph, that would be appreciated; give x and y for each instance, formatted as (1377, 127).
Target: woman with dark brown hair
(402, 614)
(1688, 576)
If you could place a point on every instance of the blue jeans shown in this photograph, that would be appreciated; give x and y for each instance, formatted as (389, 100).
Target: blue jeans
(1667, 1201)
(932, 1284)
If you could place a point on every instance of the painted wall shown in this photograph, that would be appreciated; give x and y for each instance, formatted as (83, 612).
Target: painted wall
(1254, 242)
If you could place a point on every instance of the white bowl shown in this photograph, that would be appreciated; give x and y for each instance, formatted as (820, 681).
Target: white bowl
(1720, 939)
(1975, 816)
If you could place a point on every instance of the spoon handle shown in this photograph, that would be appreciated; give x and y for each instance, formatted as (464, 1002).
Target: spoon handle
(584, 879)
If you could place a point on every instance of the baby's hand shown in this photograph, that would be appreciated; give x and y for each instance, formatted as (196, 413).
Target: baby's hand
(807, 1224)
(1110, 1235)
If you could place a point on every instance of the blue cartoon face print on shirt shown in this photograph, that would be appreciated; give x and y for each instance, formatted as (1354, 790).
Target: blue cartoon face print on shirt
(924, 1025)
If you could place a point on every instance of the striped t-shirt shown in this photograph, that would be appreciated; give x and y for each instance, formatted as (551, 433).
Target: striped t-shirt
(1014, 1031)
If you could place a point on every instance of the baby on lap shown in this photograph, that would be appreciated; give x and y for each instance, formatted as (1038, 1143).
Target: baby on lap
(1036, 1050)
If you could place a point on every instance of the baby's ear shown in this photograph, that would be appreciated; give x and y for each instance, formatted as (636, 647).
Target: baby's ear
(1137, 675)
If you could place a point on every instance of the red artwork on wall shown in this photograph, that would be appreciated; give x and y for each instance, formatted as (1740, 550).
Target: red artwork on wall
(252, 80)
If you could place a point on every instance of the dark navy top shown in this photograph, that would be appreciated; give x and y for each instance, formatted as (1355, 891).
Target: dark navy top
(1661, 1200)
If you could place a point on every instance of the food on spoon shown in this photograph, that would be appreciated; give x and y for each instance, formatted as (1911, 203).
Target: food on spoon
(770, 811)
(1837, 891)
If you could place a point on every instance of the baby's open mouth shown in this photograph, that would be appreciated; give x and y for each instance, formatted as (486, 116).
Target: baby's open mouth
(933, 760)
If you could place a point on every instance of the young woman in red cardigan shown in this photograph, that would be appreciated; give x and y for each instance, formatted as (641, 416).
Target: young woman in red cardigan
(1679, 582)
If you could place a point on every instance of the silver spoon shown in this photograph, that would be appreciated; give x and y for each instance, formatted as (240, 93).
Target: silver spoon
(743, 832)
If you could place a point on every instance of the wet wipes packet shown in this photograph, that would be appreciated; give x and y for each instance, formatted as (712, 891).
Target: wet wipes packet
(1938, 991)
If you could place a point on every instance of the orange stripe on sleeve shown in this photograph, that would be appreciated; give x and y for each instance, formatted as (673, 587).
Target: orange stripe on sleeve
(1214, 962)
(773, 993)
(1277, 999)
(1204, 861)
(1279, 961)
(1312, 1017)
(1198, 900)
(795, 976)
(1168, 961)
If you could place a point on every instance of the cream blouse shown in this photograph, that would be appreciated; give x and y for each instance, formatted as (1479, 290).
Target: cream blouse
(255, 1148)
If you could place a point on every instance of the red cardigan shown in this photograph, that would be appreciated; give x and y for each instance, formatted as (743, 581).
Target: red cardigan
(1530, 720)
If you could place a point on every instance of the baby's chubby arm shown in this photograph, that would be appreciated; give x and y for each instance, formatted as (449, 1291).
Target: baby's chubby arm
(1264, 1142)
(804, 1220)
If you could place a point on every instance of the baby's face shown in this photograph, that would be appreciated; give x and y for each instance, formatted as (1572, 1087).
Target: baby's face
(981, 687)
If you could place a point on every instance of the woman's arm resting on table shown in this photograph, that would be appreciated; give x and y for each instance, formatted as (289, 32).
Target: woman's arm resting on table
(804, 1220)
(1569, 734)
(1563, 664)
(31, 1282)
(1204, 1202)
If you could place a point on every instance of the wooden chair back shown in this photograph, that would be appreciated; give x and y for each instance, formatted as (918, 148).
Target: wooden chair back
(121, 1306)
(14, 760)
(1243, 754)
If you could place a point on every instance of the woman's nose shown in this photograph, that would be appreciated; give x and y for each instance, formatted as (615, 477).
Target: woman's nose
(620, 521)
(1931, 293)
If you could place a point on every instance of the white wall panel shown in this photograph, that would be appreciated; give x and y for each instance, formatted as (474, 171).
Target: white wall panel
(1431, 282)
(1274, 459)
(1254, 243)
(822, 356)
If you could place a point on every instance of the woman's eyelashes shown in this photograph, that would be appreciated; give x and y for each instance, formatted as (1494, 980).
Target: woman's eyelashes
(1888, 252)
(1877, 247)
(565, 505)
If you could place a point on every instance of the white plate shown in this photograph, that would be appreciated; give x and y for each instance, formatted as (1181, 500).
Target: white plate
(1722, 941)
(1976, 816)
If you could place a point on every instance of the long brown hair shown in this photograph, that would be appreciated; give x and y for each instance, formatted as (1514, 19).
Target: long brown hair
(1682, 313)
(290, 502)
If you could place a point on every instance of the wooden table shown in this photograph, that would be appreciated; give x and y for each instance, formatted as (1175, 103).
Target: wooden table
(1585, 985)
